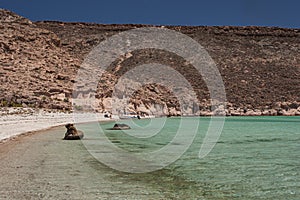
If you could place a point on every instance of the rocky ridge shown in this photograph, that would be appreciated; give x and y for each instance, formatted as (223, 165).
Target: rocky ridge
(260, 67)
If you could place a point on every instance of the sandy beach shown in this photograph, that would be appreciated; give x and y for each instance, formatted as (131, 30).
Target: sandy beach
(17, 121)
(43, 166)
(37, 164)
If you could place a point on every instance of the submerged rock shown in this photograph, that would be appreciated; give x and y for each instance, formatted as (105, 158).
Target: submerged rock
(72, 133)
(120, 127)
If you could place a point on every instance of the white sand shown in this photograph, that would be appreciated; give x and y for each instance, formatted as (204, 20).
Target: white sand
(16, 121)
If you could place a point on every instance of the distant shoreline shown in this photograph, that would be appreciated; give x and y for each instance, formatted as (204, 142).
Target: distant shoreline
(16, 122)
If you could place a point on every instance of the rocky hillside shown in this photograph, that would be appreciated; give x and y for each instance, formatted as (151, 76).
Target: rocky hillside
(35, 70)
(260, 66)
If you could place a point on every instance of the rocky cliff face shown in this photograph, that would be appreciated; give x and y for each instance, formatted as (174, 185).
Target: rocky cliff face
(260, 66)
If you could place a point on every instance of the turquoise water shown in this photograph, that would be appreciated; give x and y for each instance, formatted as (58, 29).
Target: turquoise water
(254, 158)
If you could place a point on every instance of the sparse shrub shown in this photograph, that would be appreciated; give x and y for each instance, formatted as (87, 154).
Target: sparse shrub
(78, 108)
(15, 104)
(4, 103)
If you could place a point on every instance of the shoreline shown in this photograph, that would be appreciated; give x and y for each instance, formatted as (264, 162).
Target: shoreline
(17, 122)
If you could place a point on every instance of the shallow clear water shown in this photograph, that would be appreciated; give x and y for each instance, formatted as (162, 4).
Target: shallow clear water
(254, 158)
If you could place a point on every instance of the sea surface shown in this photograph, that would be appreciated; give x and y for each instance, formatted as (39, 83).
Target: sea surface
(254, 157)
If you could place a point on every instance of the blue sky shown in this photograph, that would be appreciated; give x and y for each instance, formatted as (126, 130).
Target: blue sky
(285, 13)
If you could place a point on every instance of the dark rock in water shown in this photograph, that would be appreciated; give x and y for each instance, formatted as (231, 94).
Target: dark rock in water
(72, 133)
(120, 127)
(74, 137)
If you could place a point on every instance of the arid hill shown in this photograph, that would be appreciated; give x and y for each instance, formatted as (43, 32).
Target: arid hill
(35, 70)
(260, 66)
